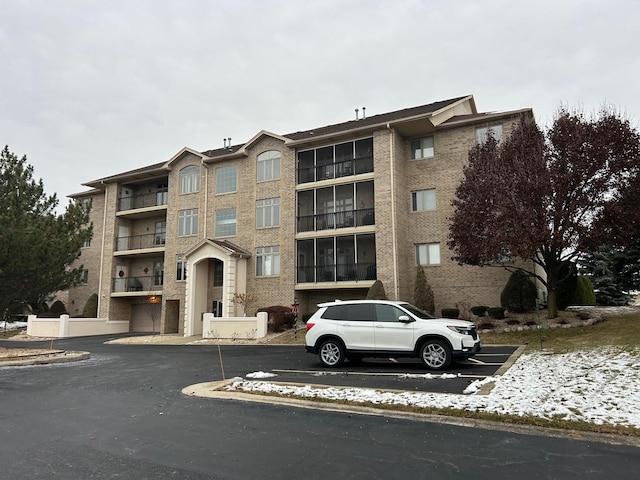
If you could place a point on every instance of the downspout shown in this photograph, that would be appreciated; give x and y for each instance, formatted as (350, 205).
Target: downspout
(206, 200)
(394, 233)
(104, 226)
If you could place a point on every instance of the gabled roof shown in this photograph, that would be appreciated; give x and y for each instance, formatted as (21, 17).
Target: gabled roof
(230, 248)
(240, 150)
(376, 120)
(461, 109)
(368, 123)
(143, 173)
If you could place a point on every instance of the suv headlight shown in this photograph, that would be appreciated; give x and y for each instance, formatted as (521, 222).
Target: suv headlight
(460, 330)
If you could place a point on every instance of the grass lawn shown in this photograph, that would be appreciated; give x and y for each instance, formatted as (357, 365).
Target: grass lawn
(622, 331)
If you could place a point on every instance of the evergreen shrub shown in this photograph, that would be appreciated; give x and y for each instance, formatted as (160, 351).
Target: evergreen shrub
(519, 294)
(450, 312)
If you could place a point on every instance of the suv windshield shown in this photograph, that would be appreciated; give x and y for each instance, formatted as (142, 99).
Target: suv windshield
(416, 311)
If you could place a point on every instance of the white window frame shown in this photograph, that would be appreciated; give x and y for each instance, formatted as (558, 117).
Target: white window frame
(483, 132)
(188, 222)
(422, 148)
(268, 213)
(84, 277)
(190, 179)
(268, 166)
(423, 200)
(224, 220)
(226, 179)
(428, 253)
(267, 261)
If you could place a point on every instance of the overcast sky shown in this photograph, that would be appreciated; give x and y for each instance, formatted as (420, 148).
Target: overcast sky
(93, 88)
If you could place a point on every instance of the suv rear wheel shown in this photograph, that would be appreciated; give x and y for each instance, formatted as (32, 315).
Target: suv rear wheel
(435, 354)
(332, 353)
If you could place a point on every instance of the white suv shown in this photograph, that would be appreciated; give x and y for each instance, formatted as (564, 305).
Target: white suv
(356, 329)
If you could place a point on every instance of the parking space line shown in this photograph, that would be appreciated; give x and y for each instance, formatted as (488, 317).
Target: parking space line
(480, 362)
(374, 374)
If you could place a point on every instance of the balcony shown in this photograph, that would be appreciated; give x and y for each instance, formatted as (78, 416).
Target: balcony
(336, 273)
(333, 220)
(133, 286)
(150, 243)
(354, 166)
(154, 199)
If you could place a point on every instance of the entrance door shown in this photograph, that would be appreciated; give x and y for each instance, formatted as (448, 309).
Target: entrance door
(124, 233)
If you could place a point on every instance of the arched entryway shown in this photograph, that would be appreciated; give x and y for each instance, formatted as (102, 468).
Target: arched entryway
(221, 263)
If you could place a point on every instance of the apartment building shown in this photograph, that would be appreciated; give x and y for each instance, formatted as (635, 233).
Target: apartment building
(299, 219)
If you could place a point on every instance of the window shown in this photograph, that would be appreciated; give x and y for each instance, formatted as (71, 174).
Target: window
(483, 132)
(188, 222)
(267, 261)
(181, 268)
(422, 148)
(428, 254)
(226, 179)
(226, 223)
(268, 213)
(423, 200)
(268, 166)
(84, 277)
(87, 243)
(388, 313)
(190, 179)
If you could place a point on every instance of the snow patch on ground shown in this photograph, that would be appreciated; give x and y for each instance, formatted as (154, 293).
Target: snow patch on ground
(599, 386)
(5, 326)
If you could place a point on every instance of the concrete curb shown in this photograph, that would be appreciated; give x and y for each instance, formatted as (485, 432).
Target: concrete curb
(47, 358)
(216, 390)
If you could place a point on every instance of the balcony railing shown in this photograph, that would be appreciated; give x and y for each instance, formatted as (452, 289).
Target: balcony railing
(354, 166)
(137, 242)
(327, 221)
(336, 273)
(146, 200)
(137, 284)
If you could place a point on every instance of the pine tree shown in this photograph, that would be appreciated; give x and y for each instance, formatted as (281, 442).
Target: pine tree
(37, 246)
(613, 271)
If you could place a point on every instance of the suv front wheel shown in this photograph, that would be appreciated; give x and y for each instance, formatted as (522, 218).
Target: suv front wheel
(332, 353)
(435, 354)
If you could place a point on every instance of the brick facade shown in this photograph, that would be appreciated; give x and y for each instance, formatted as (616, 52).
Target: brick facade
(339, 249)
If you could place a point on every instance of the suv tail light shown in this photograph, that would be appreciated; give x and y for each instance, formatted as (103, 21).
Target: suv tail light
(309, 325)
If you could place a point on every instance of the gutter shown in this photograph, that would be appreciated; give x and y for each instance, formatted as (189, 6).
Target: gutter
(394, 233)
(104, 226)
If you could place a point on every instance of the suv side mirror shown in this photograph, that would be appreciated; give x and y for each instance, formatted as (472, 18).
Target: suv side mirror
(405, 319)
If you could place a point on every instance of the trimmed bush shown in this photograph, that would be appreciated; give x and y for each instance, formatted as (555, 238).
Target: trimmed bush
(519, 294)
(479, 310)
(423, 293)
(280, 318)
(584, 293)
(450, 312)
(496, 312)
(58, 308)
(376, 291)
(90, 309)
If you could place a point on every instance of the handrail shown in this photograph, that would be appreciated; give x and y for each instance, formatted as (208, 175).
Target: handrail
(333, 220)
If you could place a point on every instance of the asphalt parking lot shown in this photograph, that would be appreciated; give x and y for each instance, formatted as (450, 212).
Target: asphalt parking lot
(400, 374)
(292, 364)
